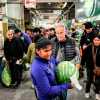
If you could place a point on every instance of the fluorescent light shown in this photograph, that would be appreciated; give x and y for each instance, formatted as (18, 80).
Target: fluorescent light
(81, 1)
(49, 3)
(64, 5)
(80, 10)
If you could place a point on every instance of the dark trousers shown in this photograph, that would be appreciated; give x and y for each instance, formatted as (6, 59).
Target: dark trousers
(0, 60)
(97, 85)
(16, 73)
(1, 67)
(89, 80)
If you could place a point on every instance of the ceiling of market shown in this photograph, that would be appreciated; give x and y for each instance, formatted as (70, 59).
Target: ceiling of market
(51, 10)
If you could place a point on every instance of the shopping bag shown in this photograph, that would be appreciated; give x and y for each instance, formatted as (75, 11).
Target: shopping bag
(6, 76)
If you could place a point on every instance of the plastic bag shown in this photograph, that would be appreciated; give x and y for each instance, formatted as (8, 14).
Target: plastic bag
(6, 76)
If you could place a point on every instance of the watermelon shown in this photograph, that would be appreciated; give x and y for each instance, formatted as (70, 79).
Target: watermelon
(65, 70)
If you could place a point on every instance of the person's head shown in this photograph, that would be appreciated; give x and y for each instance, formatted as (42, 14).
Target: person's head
(46, 33)
(42, 30)
(52, 31)
(29, 31)
(36, 38)
(10, 34)
(36, 31)
(96, 40)
(60, 32)
(17, 33)
(44, 48)
(73, 29)
(88, 27)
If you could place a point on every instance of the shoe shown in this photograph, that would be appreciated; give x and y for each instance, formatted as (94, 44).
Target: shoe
(15, 85)
(87, 95)
(97, 96)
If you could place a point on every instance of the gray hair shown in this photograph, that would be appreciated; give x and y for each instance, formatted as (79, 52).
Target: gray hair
(11, 31)
(61, 25)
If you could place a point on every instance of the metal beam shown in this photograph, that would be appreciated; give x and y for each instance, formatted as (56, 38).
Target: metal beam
(48, 14)
(46, 1)
(48, 8)
(11, 1)
(69, 8)
(17, 2)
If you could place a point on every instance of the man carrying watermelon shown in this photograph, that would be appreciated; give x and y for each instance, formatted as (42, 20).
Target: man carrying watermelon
(65, 49)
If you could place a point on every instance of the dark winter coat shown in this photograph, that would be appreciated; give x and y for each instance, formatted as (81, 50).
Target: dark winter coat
(13, 49)
(88, 58)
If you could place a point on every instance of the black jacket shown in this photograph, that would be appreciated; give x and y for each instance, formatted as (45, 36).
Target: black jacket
(98, 57)
(88, 58)
(13, 49)
(68, 51)
(87, 38)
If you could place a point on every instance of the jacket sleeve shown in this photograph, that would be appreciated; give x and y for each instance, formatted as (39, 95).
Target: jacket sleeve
(43, 85)
(6, 51)
(83, 59)
(98, 57)
(31, 52)
(77, 57)
(19, 48)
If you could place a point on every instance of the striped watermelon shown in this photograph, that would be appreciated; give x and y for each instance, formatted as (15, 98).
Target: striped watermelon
(65, 70)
